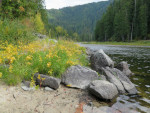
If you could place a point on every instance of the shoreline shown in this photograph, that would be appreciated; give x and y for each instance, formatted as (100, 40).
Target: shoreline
(115, 45)
(126, 44)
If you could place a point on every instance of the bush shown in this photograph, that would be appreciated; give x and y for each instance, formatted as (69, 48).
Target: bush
(43, 56)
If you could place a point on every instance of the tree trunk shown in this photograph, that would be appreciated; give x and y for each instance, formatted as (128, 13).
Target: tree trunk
(122, 38)
(131, 33)
(133, 22)
(105, 37)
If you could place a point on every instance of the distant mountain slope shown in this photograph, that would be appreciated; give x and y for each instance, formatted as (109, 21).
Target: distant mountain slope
(81, 19)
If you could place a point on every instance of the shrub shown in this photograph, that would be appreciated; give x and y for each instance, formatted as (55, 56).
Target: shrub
(39, 25)
(43, 56)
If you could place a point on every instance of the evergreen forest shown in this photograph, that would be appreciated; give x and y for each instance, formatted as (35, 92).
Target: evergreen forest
(125, 20)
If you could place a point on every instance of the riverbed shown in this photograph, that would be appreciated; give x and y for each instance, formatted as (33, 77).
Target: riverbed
(138, 59)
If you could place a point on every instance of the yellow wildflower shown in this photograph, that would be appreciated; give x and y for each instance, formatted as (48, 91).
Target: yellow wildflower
(70, 63)
(29, 57)
(50, 72)
(1, 61)
(1, 74)
(43, 79)
(39, 77)
(40, 58)
(29, 63)
(68, 85)
(10, 68)
(49, 64)
(12, 59)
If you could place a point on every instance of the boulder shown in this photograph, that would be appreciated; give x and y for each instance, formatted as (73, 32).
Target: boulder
(120, 80)
(47, 81)
(123, 66)
(103, 89)
(111, 77)
(102, 77)
(79, 77)
(99, 60)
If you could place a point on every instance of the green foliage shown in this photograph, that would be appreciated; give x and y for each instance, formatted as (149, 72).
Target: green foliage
(14, 31)
(20, 8)
(23, 61)
(38, 24)
(124, 20)
(79, 19)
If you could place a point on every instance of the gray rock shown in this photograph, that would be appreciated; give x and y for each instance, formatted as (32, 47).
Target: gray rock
(41, 36)
(48, 89)
(25, 85)
(120, 80)
(79, 77)
(102, 77)
(103, 89)
(89, 52)
(123, 66)
(99, 60)
(48, 82)
(111, 77)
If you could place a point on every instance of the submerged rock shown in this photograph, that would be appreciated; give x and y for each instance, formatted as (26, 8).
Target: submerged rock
(103, 89)
(123, 66)
(103, 109)
(47, 81)
(79, 77)
(99, 60)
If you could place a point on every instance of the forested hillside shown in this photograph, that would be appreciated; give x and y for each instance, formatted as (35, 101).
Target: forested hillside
(78, 20)
(125, 20)
(19, 19)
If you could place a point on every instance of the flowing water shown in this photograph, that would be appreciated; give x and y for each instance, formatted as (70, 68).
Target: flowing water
(138, 59)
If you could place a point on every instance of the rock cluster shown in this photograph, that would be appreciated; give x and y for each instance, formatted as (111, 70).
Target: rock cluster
(118, 77)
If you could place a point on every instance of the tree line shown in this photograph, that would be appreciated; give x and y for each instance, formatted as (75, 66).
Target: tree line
(125, 20)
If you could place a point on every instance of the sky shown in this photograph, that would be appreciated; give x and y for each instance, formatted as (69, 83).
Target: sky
(56, 4)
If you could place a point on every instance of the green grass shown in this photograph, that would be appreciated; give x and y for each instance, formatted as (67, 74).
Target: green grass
(134, 43)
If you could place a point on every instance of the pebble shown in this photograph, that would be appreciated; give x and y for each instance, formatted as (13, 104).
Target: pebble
(48, 89)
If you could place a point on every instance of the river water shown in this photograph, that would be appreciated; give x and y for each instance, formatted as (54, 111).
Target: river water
(138, 59)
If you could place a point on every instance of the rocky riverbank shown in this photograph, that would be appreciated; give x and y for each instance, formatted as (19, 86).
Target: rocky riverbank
(104, 82)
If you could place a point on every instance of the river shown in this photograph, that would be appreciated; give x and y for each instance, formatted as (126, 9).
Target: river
(138, 59)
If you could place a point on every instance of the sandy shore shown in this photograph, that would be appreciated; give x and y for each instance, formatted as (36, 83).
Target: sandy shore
(13, 99)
